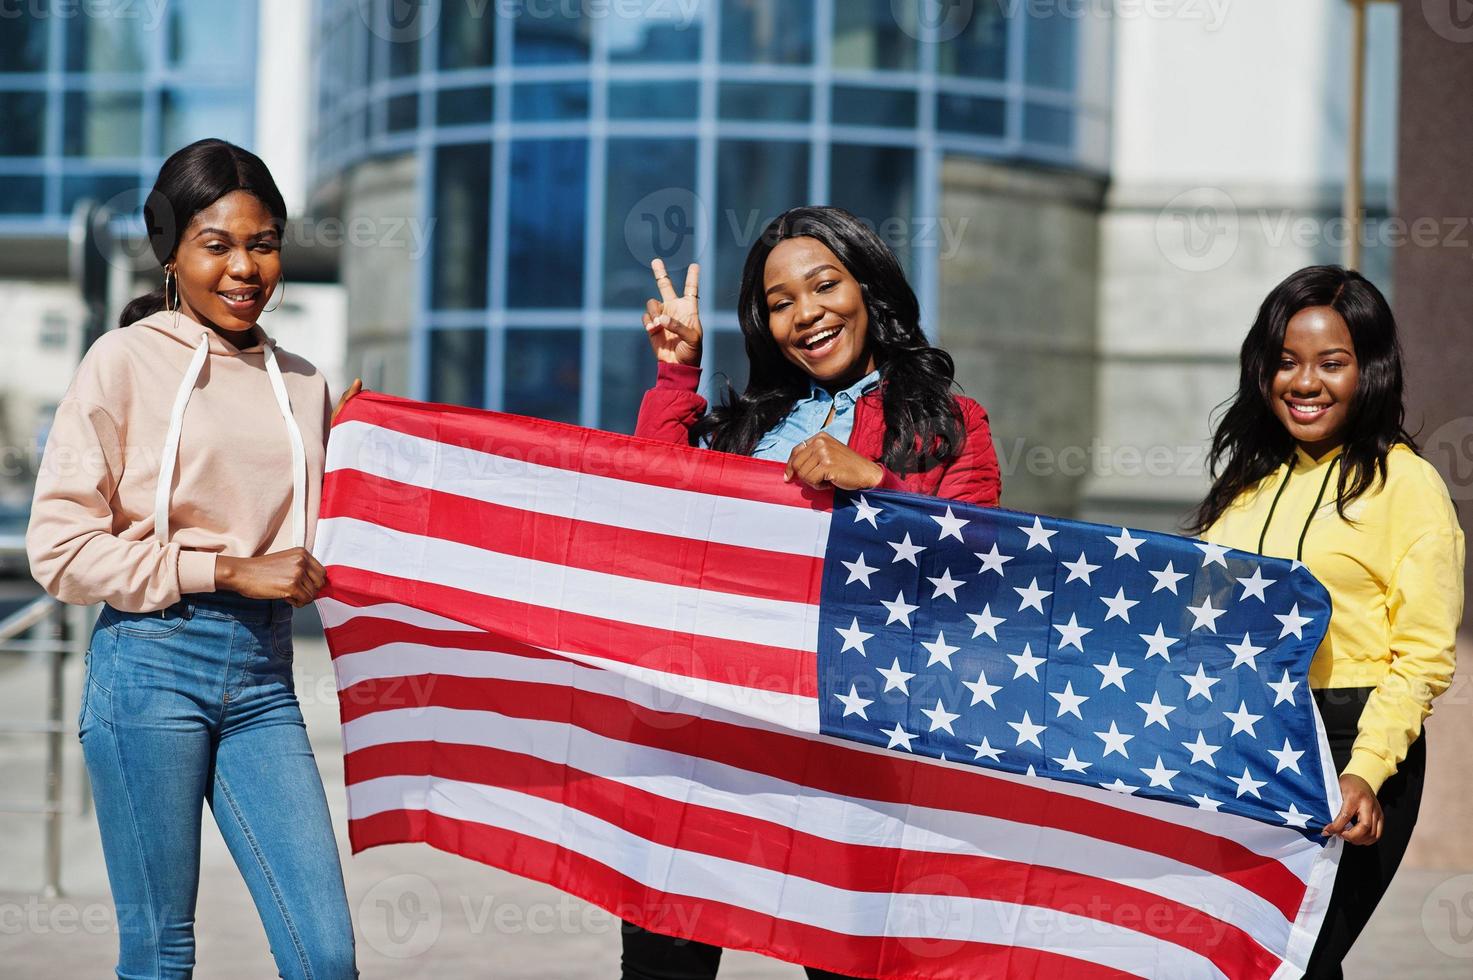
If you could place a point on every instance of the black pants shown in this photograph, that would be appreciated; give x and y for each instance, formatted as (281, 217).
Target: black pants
(651, 956)
(1365, 871)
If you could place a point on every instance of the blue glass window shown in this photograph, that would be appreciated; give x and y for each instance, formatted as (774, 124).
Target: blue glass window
(974, 116)
(878, 184)
(21, 195)
(731, 364)
(100, 188)
(465, 106)
(626, 369)
(550, 33)
(544, 370)
(545, 232)
(23, 42)
(462, 223)
(650, 210)
(549, 101)
(654, 100)
(103, 124)
(857, 106)
(194, 114)
(980, 49)
(457, 368)
(1052, 125)
(869, 35)
(765, 101)
(106, 44)
(22, 124)
(1049, 58)
(467, 35)
(402, 113)
(767, 32)
(661, 34)
(211, 37)
(755, 182)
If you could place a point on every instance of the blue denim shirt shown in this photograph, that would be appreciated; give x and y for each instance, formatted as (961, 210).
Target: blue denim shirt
(807, 418)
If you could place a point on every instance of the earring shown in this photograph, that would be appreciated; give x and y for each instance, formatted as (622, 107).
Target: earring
(170, 304)
(281, 285)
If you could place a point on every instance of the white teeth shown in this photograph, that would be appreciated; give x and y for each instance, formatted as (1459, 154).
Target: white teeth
(819, 338)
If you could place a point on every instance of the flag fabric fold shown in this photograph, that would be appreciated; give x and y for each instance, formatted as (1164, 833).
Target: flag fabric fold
(880, 734)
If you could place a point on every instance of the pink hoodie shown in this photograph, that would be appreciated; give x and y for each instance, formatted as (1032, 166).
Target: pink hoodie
(243, 483)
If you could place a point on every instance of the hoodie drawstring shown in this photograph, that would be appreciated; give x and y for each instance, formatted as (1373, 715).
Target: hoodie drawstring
(176, 426)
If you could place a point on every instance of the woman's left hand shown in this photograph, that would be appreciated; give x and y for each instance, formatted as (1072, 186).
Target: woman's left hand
(353, 389)
(1361, 804)
(824, 462)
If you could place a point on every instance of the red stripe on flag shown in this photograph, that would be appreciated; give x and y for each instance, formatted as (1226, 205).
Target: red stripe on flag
(716, 922)
(852, 867)
(834, 768)
(753, 665)
(665, 558)
(579, 450)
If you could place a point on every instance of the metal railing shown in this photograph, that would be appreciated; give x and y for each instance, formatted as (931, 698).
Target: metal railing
(56, 631)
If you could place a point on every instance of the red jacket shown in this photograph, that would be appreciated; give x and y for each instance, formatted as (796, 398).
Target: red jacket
(672, 406)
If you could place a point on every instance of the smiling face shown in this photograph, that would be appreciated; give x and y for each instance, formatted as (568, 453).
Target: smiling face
(1316, 380)
(228, 263)
(816, 312)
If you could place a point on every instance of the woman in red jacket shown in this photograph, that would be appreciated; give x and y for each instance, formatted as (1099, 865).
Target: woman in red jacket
(843, 387)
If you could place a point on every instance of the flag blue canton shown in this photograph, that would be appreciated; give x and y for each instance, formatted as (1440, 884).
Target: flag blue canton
(1140, 662)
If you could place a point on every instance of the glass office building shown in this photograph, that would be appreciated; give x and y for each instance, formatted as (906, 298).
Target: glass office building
(94, 96)
(560, 144)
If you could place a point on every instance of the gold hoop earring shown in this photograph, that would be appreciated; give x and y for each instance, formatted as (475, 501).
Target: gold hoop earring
(281, 284)
(169, 279)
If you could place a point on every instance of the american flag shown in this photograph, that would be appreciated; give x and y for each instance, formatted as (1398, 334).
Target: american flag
(880, 734)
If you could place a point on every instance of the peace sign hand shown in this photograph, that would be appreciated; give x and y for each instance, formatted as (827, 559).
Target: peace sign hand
(673, 322)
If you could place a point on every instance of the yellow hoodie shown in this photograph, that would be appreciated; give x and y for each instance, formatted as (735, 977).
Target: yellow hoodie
(238, 436)
(1394, 571)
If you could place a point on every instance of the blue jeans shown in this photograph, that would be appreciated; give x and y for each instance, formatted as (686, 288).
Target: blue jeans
(194, 705)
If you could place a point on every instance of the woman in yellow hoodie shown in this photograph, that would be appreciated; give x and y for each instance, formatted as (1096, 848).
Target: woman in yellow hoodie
(1311, 461)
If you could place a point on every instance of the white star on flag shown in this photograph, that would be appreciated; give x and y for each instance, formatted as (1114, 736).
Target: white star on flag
(854, 704)
(1032, 596)
(1115, 740)
(1026, 661)
(900, 610)
(1118, 786)
(940, 651)
(1159, 644)
(1071, 763)
(1204, 615)
(858, 571)
(1038, 536)
(1243, 720)
(865, 511)
(940, 718)
(1156, 712)
(1254, 585)
(1159, 775)
(1293, 817)
(1112, 674)
(1079, 569)
(1071, 633)
(1283, 689)
(1293, 622)
(1247, 784)
(898, 736)
(1119, 606)
(1069, 702)
(993, 560)
(1201, 751)
(984, 748)
(986, 622)
(945, 585)
(951, 525)
(1200, 684)
(1245, 652)
(1125, 544)
(1167, 578)
(1027, 730)
(981, 690)
(1287, 757)
(905, 551)
(1205, 802)
(1215, 554)
(895, 678)
(854, 637)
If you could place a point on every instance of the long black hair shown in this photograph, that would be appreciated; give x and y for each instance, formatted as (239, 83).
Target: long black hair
(1250, 442)
(190, 181)
(922, 422)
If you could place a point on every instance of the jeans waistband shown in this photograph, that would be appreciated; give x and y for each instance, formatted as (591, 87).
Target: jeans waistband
(232, 605)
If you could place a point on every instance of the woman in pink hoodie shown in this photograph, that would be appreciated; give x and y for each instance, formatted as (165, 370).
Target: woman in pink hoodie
(180, 486)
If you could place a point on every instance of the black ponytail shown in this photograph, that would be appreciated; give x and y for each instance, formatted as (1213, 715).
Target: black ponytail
(190, 181)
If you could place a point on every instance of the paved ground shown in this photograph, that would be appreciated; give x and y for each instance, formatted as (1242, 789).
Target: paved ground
(423, 914)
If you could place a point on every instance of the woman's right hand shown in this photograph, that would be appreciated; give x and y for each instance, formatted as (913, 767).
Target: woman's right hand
(293, 575)
(673, 322)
